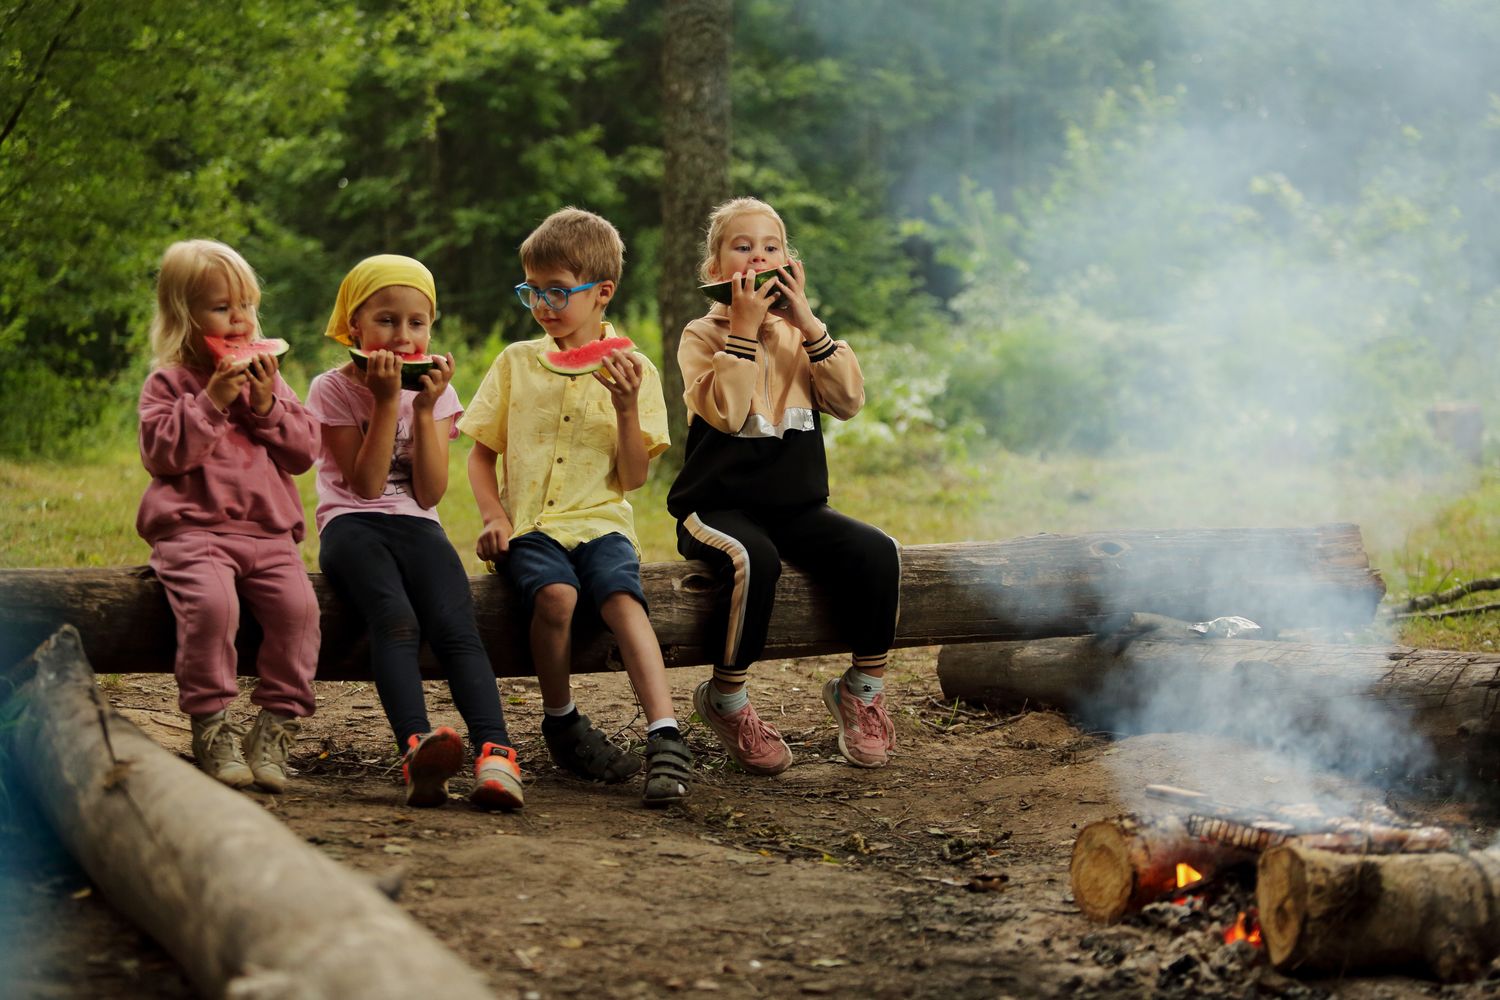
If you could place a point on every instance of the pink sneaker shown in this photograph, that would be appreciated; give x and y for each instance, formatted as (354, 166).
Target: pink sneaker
(755, 746)
(866, 734)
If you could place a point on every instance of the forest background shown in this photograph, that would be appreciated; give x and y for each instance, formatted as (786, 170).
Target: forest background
(1105, 265)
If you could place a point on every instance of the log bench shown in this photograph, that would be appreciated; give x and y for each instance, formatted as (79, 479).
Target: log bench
(1022, 588)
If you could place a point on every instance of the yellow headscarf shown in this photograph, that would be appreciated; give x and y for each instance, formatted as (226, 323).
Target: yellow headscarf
(370, 276)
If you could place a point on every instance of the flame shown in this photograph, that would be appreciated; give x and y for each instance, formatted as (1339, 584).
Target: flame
(1187, 874)
(1246, 928)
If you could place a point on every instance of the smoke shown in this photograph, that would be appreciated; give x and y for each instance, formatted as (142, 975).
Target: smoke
(1252, 239)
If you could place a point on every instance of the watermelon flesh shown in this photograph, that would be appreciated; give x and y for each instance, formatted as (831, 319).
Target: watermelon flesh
(588, 358)
(413, 366)
(244, 351)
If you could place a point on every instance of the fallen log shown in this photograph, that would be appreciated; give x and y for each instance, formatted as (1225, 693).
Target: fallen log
(1044, 585)
(1235, 686)
(245, 906)
(1322, 912)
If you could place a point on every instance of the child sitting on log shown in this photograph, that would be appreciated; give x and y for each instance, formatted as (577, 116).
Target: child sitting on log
(572, 447)
(383, 469)
(753, 490)
(222, 435)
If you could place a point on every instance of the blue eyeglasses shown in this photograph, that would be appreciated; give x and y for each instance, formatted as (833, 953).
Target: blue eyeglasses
(556, 297)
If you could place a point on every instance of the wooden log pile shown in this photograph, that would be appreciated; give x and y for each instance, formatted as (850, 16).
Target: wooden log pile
(1024, 588)
(1334, 894)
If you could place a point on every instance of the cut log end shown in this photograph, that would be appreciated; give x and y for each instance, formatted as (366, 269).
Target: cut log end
(1104, 880)
(1281, 882)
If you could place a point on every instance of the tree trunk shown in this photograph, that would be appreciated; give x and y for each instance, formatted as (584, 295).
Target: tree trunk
(1340, 914)
(1120, 865)
(695, 175)
(1199, 683)
(1045, 585)
(240, 902)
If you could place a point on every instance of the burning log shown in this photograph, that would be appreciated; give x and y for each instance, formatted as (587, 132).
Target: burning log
(1322, 912)
(244, 905)
(1045, 585)
(1448, 698)
(1120, 865)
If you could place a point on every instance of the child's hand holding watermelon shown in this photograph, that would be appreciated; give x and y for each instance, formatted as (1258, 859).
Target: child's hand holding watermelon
(792, 306)
(622, 375)
(434, 381)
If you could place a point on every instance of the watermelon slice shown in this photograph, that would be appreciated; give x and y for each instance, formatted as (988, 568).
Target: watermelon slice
(585, 359)
(413, 366)
(723, 291)
(243, 352)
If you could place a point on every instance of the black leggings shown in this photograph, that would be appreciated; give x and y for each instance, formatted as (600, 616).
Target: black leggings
(404, 578)
(856, 565)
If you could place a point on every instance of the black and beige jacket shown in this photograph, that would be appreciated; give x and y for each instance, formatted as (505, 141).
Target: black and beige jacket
(754, 432)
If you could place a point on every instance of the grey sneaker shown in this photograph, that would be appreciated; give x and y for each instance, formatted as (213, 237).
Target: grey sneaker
(216, 745)
(268, 746)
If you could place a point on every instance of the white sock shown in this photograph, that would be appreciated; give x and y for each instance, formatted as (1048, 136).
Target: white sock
(862, 685)
(725, 704)
(559, 713)
(670, 722)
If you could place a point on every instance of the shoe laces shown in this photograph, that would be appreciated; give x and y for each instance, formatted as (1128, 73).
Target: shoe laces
(221, 738)
(276, 735)
(872, 720)
(755, 733)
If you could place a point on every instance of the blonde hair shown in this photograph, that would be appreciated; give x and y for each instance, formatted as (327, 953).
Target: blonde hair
(185, 268)
(587, 244)
(718, 231)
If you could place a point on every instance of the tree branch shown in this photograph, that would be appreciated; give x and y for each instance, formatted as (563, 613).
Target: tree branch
(41, 71)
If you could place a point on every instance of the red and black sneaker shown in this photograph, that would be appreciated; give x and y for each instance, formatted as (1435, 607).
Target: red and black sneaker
(497, 779)
(429, 762)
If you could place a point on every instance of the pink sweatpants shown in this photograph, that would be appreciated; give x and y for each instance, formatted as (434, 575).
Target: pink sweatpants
(206, 575)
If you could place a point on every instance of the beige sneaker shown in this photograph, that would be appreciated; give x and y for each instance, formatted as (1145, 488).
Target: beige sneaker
(268, 746)
(216, 745)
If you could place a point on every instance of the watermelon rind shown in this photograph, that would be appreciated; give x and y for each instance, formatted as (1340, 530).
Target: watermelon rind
(411, 371)
(723, 291)
(273, 346)
(586, 359)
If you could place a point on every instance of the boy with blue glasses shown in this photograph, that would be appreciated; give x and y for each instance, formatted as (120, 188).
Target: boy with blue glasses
(572, 446)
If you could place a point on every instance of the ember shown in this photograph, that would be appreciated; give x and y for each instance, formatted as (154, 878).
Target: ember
(1246, 928)
(1187, 875)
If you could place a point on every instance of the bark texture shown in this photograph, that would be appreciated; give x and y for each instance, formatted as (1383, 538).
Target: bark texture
(695, 174)
(244, 906)
(1338, 914)
(1449, 698)
(1044, 585)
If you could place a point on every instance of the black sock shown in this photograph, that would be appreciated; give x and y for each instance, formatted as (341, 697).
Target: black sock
(552, 724)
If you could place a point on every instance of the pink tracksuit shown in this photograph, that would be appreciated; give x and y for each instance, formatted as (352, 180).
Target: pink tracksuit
(223, 517)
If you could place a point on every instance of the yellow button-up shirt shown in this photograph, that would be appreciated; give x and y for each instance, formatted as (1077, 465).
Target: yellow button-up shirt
(557, 438)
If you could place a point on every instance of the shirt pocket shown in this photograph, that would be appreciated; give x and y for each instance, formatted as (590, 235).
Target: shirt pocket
(599, 431)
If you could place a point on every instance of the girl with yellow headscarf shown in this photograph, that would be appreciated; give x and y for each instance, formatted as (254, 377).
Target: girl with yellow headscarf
(383, 469)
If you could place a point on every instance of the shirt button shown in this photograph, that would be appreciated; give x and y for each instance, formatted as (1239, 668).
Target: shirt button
(551, 502)
(559, 461)
(566, 418)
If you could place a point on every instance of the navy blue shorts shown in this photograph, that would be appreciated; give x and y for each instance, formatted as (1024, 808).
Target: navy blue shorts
(596, 569)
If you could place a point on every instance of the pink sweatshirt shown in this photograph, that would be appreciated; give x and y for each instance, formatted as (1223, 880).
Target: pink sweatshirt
(224, 472)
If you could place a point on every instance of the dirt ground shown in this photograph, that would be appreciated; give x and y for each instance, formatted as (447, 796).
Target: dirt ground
(942, 875)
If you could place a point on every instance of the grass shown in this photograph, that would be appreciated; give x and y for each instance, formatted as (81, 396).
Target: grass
(1422, 531)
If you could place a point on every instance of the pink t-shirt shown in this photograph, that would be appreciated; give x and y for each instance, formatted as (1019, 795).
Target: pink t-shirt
(338, 401)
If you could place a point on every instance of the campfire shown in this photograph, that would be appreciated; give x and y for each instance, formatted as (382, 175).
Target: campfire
(1339, 893)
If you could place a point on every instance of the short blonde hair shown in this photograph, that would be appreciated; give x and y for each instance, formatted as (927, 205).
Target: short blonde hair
(718, 229)
(185, 268)
(587, 244)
